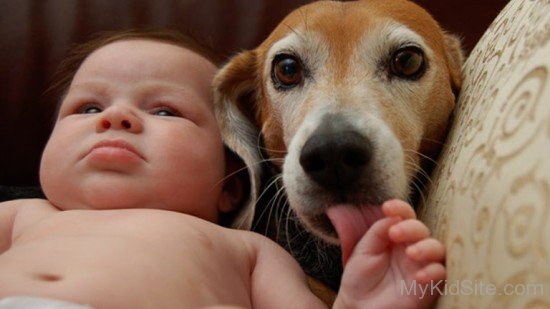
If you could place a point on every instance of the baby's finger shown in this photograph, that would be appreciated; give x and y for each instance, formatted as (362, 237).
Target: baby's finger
(398, 208)
(410, 230)
(376, 240)
(431, 273)
(426, 251)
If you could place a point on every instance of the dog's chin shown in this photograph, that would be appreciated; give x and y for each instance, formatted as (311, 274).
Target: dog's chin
(320, 226)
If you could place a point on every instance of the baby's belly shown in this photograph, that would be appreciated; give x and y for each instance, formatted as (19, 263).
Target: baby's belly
(115, 272)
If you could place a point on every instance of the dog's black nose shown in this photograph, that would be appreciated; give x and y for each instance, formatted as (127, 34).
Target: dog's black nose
(335, 160)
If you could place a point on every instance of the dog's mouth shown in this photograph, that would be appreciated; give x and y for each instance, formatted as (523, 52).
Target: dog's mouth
(344, 222)
(341, 213)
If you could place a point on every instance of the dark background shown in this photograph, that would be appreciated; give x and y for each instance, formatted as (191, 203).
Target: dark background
(35, 35)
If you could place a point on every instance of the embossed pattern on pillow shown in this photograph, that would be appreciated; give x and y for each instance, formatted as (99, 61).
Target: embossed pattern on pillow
(490, 198)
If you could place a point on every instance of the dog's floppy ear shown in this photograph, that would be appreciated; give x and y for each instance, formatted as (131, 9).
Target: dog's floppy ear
(455, 59)
(235, 98)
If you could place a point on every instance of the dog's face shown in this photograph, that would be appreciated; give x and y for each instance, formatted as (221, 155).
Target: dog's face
(349, 98)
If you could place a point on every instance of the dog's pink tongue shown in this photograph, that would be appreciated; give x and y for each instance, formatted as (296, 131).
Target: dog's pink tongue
(351, 222)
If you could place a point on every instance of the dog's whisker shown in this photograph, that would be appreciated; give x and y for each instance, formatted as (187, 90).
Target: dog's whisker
(425, 175)
(431, 140)
(274, 182)
(221, 181)
(413, 168)
(259, 146)
(273, 211)
(297, 236)
(267, 160)
(283, 220)
(273, 160)
(273, 150)
(287, 220)
(321, 255)
(422, 155)
(416, 169)
(246, 168)
(422, 197)
(420, 176)
(280, 203)
(261, 150)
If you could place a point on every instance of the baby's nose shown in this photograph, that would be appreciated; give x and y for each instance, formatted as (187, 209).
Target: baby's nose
(119, 119)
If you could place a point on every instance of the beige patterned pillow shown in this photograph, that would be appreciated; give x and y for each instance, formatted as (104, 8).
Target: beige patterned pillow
(490, 199)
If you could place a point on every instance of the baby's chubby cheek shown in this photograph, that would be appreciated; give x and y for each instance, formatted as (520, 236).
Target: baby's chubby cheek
(190, 172)
(55, 176)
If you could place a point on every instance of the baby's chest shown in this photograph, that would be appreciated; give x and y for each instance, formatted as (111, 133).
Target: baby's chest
(203, 247)
(218, 263)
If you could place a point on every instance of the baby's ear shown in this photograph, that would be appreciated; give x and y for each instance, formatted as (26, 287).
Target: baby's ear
(235, 185)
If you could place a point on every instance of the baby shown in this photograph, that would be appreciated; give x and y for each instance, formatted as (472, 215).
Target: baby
(136, 182)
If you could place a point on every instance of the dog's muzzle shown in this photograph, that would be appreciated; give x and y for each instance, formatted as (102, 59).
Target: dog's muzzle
(335, 160)
(335, 156)
(342, 161)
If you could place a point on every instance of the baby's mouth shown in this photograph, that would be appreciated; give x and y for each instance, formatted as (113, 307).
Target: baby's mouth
(117, 145)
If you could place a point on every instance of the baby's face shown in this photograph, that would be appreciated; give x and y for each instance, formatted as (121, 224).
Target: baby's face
(137, 130)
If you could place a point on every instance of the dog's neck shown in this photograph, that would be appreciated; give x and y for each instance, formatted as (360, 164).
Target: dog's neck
(273, 219)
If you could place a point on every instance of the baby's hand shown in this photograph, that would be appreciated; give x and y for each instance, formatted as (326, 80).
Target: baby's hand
(395, 254)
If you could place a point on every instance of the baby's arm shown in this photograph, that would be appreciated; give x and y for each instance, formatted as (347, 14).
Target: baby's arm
(277, 279)
(395, 254)
(8, 211)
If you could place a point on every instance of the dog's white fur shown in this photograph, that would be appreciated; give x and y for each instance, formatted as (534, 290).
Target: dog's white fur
(343, 45)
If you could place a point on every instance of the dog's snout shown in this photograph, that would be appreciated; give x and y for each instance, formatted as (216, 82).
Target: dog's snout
(336, 160)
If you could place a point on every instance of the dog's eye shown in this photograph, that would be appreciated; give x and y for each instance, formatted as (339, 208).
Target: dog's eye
(286, 71)
(408, 63)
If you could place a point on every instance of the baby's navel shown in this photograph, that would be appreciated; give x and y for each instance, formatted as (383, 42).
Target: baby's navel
(47, 277)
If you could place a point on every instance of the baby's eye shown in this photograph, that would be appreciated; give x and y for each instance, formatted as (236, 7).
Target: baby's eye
(89, 109)
(165, 112)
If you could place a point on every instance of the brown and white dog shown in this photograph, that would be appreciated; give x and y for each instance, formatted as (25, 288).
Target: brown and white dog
(346, 99)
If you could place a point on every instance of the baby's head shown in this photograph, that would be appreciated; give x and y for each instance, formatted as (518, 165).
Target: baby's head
(136, 129)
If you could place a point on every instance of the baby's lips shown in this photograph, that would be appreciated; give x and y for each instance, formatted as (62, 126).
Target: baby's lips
(351, 222)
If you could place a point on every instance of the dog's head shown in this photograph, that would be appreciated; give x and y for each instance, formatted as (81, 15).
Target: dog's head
(347, 98)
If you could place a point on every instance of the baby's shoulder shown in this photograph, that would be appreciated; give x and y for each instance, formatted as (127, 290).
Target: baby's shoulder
(30, 210)
(257, 243)
(34, 204)
(17, 215)
(31, 205)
